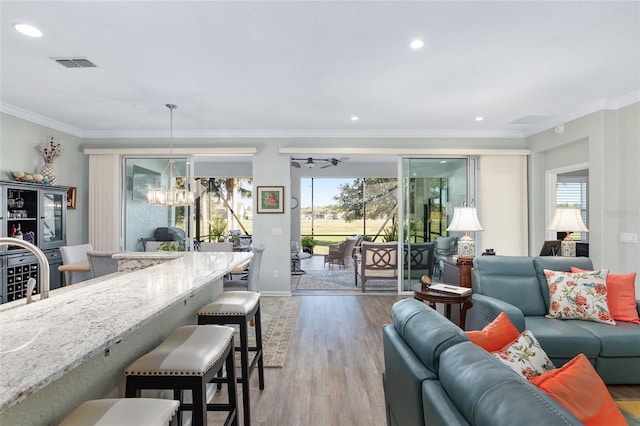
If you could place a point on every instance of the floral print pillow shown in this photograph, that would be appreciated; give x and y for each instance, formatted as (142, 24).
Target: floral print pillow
(581, 295)
(525, 356)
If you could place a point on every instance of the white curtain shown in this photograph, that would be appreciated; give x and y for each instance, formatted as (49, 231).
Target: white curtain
(104, 201)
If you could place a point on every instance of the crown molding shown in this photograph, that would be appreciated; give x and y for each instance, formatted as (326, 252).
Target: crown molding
(39, 119)
(302, 134)
(599, 105)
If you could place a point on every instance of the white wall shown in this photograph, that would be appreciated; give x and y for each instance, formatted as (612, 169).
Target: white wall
(18, 140)
(502, 205)
(609, 138)
(272, 169)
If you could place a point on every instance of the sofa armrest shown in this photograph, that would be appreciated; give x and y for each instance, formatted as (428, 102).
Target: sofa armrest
(485, 309)
(404, 374)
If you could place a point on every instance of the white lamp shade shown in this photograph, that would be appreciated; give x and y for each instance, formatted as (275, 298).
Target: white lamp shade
(465, 219)
(567, 220)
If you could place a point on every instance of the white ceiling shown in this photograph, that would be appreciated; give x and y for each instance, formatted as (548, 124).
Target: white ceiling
(303, 68)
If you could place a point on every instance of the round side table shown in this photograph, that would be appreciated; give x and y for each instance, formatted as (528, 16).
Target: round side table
(448, 299)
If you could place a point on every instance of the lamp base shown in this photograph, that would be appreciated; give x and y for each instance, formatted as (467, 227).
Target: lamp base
(568, 248)
(466, 247)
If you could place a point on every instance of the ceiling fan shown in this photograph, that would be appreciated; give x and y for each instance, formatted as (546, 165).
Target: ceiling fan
(312, 162)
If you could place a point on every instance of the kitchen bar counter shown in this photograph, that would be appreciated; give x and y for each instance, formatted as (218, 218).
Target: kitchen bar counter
(129, 261)
(41, 342)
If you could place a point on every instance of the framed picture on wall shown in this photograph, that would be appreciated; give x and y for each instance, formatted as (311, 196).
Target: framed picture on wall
(71, 197)
(270, 199)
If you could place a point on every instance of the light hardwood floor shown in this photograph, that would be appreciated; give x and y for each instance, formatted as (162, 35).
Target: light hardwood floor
(332, 373)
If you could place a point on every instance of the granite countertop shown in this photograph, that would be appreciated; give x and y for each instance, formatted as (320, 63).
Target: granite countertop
(158, 254)
(42, 341)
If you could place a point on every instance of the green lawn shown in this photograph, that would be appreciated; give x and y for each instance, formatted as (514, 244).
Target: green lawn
(332, 231)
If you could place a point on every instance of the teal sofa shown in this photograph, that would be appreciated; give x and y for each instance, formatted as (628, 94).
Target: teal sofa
(434, 376)
(517, 286)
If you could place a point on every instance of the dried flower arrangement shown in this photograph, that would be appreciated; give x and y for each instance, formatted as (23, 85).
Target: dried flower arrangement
(53, 151)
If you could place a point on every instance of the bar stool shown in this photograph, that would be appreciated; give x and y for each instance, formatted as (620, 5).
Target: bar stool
(239, 307)
(123, 412)
(189, 358)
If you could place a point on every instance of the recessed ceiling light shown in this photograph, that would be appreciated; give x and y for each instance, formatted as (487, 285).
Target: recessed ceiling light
(28, 30)
(479, 118)
(443, 162)
(417, 44)
(354, 118)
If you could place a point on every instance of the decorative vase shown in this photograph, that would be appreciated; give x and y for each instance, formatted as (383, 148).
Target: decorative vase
(49, 172)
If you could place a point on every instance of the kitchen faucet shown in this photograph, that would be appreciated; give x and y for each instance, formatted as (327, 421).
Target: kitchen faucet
(43, 263)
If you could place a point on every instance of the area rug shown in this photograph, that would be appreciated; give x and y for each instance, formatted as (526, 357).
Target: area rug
(631, 411)
(339, 279)
(279, 316)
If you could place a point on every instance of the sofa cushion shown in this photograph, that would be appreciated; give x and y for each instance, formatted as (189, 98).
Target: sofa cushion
(621, 296)
(496, 335)
(564, 339)
(509, 278)
(580, 295)
(578, 388)
(525, 356)
(490, 393)
(619, 341)
(556, 263)
(425, 331)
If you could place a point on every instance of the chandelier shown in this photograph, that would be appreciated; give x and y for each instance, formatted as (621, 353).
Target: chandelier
(171, 196)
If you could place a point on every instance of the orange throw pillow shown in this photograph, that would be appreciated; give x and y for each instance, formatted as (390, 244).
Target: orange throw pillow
(621, 296)
(578, 388)
(496, 335)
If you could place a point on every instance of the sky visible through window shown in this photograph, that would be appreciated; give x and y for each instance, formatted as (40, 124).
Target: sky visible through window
(324, 191)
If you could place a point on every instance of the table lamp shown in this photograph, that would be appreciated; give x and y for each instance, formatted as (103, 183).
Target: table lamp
(567, 220)
(465, 219)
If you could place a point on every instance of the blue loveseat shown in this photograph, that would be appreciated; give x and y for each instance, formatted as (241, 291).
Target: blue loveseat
(517, 286)
(434, 376)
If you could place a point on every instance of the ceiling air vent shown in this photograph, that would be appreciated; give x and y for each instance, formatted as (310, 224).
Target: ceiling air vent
(75, 62)
(532, 119)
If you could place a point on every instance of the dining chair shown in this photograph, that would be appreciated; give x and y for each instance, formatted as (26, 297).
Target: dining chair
(75, 254)
(102, 263)
(252, 280)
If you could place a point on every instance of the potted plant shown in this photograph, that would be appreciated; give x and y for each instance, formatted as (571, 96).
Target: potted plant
(171, 246)
(217, 228)
(308, 243)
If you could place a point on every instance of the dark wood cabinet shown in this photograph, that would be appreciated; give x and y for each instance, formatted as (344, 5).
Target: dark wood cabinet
(38, 214)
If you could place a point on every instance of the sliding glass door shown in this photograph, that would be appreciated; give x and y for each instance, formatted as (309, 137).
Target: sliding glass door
(143, 222)
(432, 187)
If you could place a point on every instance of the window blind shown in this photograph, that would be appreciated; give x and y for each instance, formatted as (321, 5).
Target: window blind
(573, 191)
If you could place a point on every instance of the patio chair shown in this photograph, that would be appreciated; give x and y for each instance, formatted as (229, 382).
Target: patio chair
(341, 253)
(419, 260)
(445, 246)
(296, 256)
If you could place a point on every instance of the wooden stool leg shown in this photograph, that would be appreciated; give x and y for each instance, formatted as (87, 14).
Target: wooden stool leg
(244, 379)
(198, 396)
(231, 385)
(258, 329)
